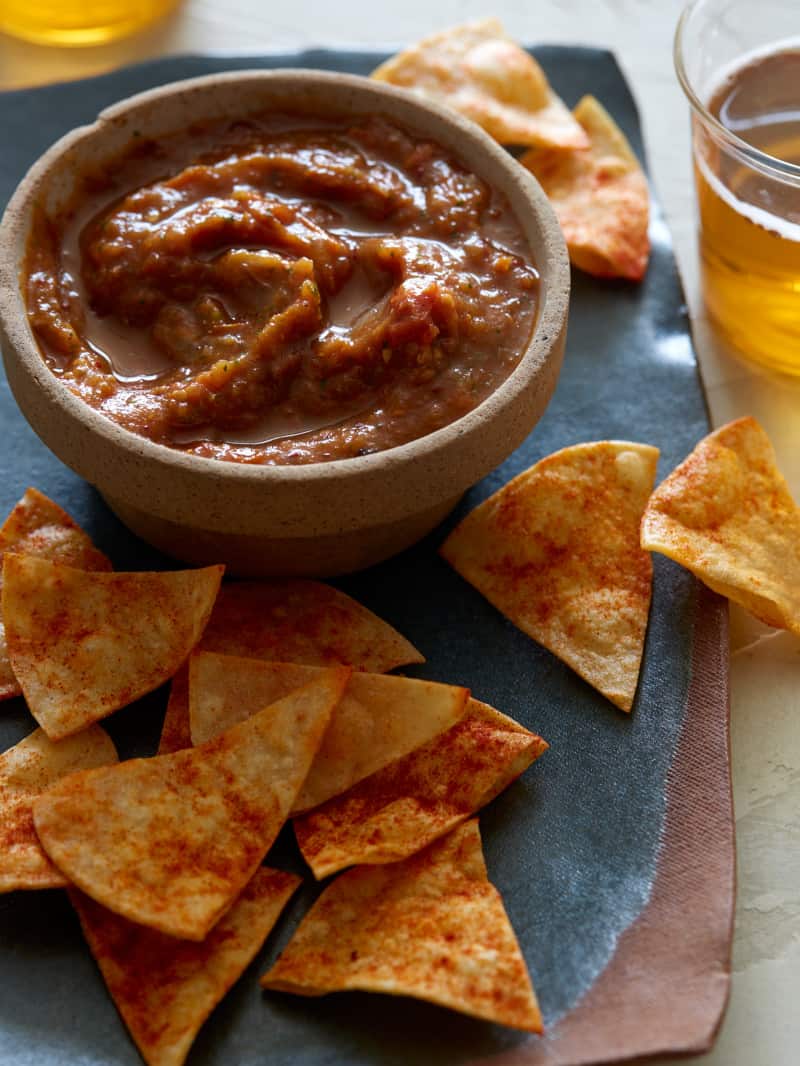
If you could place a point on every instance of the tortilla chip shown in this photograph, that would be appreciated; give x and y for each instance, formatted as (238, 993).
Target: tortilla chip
(84, 644)
(166, 988)
(479, 71)
(37, 526)
(557, 551)
(405, 806)
(432, 927)
(305, 622)
(170, 842)
(26, 771)
(293, 621)
(600, 196)
(379, 718)
(727, 515)
(175, 732)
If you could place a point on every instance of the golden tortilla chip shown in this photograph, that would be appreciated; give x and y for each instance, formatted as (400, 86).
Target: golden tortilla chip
(26, 771)
(557, 551)
(405, 806)
(175, 732)
(432, 927)
(600, 196)
(479, 71)
(294, 621)
(298, 621)
(166, 988)
(37, 526)
(379, 718)
(727, 515)
(84, 644)
(170, 842)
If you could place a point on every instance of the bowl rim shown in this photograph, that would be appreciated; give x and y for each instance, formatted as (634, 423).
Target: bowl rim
(551, 261)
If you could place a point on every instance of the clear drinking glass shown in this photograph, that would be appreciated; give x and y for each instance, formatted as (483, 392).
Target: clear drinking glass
(739, 65)
(78, 22)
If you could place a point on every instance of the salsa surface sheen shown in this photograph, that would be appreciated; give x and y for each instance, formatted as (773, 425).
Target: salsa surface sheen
(282, 290)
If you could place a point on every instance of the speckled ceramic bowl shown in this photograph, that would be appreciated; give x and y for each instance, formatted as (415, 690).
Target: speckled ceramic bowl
(320, 519)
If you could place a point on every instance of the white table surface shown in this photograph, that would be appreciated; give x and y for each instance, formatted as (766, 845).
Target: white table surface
(762, 1026)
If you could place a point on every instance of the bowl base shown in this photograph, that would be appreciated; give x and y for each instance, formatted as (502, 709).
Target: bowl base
(266, 556)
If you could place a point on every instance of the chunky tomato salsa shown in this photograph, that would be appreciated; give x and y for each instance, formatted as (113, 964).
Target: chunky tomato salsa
(283, 290)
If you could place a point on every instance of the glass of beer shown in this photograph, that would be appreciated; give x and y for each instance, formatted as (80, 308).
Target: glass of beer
(739, 65)
(78, 22)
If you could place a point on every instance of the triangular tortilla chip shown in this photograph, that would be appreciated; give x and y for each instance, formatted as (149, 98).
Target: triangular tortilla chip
(557, 551)
(166, 988)
(170, 842)
(410, 803)
(293, 621)
(26, 771)
(600, 196)
(479, 71)
(175, 732)
(379, 718)
(307, 622)
(84, 644)
(727, 515)
(432, 927)
(37, 526)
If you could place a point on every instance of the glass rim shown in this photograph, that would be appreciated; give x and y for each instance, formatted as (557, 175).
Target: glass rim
(754, 157)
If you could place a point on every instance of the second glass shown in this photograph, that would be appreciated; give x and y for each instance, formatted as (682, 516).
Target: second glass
(740, 69)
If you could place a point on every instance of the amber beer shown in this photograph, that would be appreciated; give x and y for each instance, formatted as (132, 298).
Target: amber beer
(78, 22)
(749, 207)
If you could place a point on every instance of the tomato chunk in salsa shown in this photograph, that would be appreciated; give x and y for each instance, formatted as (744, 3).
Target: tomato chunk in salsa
(282, 289)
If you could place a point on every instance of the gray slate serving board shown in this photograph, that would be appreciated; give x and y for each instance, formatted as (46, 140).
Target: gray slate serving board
(572, 845)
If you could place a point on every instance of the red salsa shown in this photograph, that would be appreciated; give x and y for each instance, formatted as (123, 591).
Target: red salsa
(282, 290)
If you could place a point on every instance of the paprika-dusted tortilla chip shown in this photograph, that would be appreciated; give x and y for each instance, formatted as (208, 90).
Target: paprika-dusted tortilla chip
(175, 732)
(37, 526)
(26, 771)
(294, 621)
(84, 644)
(557, 551)
(432, 927)
(479, 71)
(378, 719)
(600, 196)
(307, 622)
(166, 988)
(170, 842)
(410, 803)
(727, 515)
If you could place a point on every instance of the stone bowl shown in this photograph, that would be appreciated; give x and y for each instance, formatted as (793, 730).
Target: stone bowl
(319, 519)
